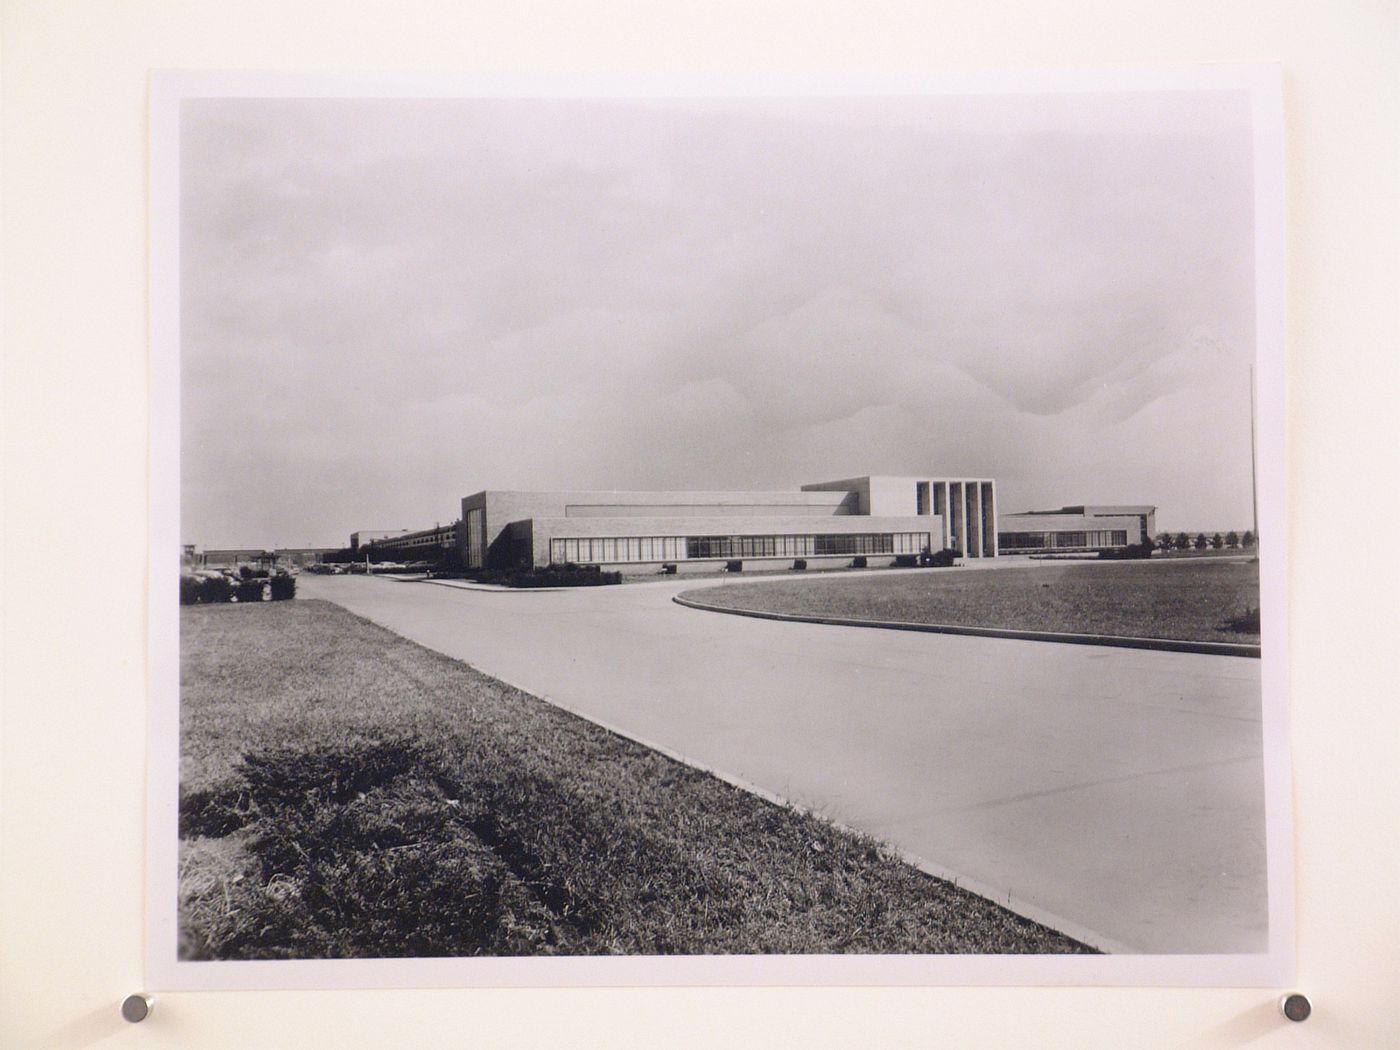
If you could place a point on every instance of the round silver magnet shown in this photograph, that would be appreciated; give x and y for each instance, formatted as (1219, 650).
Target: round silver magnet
(136, 1008)
(1295, 1006)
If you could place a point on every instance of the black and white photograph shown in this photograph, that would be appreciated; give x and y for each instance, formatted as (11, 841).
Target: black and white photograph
(714, 531)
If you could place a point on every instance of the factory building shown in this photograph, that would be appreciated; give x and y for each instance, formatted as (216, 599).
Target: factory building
(365, 537)
(825, 524)
(877, 518)
(232, 558)
(420, 542)
(302, 556)
(1075, 529)
(228, 557)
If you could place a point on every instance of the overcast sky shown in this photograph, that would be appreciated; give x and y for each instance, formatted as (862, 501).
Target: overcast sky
(389, 304)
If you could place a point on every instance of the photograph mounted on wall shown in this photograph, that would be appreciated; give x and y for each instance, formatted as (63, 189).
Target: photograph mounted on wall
(685, 530)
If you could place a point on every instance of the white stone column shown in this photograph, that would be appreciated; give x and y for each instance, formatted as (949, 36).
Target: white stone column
(996, 541)
(962, 517)
(947, 515)
(976, 530)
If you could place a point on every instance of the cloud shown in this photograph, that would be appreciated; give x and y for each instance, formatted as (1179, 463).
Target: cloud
(417, 298)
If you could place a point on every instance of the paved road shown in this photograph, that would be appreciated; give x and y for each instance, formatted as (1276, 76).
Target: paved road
(1115, 793)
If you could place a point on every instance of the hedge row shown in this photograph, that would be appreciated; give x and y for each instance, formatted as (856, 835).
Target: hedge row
(214, 590)
(1132, 552)
(550, 576)
(934, 559)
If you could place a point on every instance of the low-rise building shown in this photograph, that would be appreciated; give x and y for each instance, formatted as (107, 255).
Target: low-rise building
(1075, 529)
(827, 523)
(418, 543)
(232, 557)
(300, 557)
(367, 536)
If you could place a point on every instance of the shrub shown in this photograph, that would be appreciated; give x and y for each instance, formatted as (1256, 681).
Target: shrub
(800, 563)
(858, 562)
(282, 587)
(567, 575)
(249, 591)
(939, 559)
(1133, 551)
(215, 589)
(907, 561)
(668, 569)
(1245, 623)
(734, 566)
(189, 590)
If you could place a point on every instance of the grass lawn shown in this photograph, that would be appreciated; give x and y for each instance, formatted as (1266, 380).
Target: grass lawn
(347, 793)
(1188, 600)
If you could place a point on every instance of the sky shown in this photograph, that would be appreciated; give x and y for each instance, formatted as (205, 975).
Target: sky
(388, 304)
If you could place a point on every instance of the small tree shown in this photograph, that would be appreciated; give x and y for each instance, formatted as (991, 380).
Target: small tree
(1183, 541)
(1164, 540)
(1248, 539)
(1217, 541)
(1201, 542)
(1232, 539)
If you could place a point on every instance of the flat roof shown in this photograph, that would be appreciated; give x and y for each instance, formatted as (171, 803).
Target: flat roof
(1093, 510)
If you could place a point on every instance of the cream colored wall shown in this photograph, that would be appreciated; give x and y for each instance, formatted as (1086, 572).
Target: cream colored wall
(74, 327)
(892, 496)
(860, 486)
(1071, 523)
(505, 508)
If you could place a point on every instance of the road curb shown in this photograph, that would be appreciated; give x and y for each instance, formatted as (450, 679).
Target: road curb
(1166, 645)
(491, 588)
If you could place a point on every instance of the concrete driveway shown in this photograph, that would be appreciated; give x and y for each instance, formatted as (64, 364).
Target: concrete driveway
(1115, 794)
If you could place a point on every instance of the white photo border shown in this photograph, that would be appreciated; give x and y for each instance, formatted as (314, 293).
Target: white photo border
(165, 972)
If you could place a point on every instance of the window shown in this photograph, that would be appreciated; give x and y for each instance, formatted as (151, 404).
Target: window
(476, 538)
(1107, 538)
(856, 543)
(1014, 541)
(910, 542)
(595, 550)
